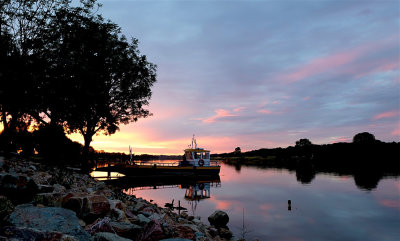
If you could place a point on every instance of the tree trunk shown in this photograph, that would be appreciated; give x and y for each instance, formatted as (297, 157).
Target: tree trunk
(85, 152)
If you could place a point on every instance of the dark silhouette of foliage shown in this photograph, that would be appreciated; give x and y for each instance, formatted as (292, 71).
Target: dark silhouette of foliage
(102, 80)
(54, 146)
(23, 26)
(364, 138)
(63, 64)
(368, 162)
(237, 150)
(303, 142)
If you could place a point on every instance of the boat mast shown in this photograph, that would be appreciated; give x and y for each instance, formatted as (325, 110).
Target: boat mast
(130, 153)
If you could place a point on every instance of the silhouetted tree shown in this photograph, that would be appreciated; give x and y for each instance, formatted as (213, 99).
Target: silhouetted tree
(23, 32)
(363, 138)
(101, 79)
(237, 150)
(68, 66)
(303, 142)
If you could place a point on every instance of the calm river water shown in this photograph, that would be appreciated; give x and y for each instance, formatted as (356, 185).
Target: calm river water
(329, 208)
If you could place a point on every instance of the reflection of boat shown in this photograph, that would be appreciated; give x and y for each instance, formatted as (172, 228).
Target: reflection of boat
(198, 191)
(131, 184)
(196, 161)
(197, 188)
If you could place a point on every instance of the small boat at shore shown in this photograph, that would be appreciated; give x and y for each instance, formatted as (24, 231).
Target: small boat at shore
(196, 161)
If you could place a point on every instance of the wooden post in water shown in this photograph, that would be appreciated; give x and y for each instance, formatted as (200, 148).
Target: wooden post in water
(179, 207)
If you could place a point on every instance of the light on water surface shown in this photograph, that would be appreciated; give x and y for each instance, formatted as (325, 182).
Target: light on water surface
(327, 208)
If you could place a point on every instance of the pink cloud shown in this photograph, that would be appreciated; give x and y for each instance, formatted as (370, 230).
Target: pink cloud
(265, 111)
(340, 62)
(341, 139)
(390, 203)
(396, 132)
(220, 113)
(238, 109)
(387, 114)
(266, 206)
(321, 65)
(307, 98)
(375, 67)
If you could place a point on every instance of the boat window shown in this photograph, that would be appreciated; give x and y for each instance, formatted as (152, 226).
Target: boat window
(188, 155)
(196, 155)
(206, 155)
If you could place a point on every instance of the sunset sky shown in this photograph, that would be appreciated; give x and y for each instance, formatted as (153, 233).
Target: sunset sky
(262, 74)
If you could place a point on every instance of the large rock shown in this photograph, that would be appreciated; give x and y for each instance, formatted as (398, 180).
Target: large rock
(107, 237)
(17, 188)
(152, 231)
(225, 233)
(89, 207)
(143, 220)
(127, 230)
(76, 202)
(6, 207)
(101, 225)
(22, 233)
(219, 219)
(185, 232)
(176, 239)
(48, 219)
(49, 199)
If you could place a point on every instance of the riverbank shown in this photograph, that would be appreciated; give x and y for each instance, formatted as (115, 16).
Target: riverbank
(40, 202)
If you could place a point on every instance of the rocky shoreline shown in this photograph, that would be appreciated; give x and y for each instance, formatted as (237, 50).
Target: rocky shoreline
(39, 202)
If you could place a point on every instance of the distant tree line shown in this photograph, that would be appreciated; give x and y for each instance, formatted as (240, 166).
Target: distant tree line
(366, 158)
(65, 69)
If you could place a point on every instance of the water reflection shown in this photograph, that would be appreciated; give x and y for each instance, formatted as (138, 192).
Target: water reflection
(364, 178)
(196, 188)
(279, 206)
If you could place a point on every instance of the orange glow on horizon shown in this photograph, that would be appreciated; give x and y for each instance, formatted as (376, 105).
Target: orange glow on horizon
(143, 143)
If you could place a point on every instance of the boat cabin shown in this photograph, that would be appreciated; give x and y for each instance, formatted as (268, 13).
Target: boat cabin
(196, 157)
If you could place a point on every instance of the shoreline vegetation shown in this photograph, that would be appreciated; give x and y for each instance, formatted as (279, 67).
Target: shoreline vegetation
(366, 159)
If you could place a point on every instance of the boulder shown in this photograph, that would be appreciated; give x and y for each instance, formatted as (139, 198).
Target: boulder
(176, 239)
(21, 233)
(48, 219)
(89, 207)
(17, 188)
(152, 231)
(143, 220)
(185, 215)
(126, 230)
(45, 188)
(139, 206)
(59, 188)
(101, 225)
(225, 233)
(107, 237)
(1, 162)
(76, 202)
(49, 199)
(118, 210)
(98, 204)
(6, 207)
(219, 219)
(185, 232)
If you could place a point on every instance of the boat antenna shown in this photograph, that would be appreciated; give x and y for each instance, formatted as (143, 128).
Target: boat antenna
(192, 140)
